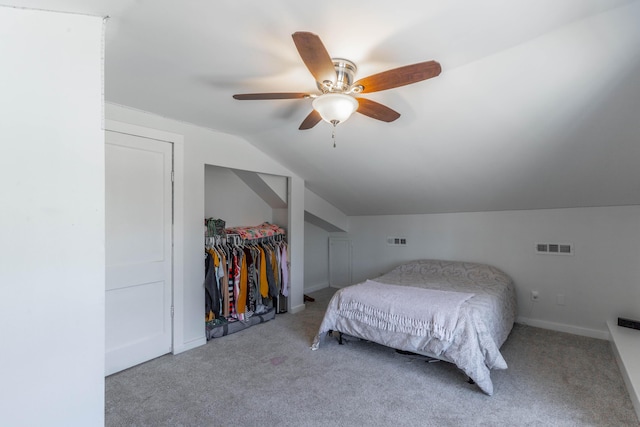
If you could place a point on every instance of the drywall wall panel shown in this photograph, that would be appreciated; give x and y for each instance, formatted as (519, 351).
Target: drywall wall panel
(316, 258)
(52, 219)
(323, 213)
(277, 185)
(229, 198)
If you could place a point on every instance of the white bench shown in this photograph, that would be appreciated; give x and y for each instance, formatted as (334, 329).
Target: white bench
(626, 348)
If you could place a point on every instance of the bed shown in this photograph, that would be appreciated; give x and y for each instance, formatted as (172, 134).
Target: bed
(459, 312)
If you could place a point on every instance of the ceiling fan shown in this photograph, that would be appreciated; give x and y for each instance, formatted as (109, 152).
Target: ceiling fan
(334, 78)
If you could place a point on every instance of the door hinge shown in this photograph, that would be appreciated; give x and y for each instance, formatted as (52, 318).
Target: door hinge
(173, 176)
(172, 311)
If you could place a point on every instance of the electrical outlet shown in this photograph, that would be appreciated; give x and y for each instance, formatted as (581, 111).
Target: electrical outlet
(535, 295)
(397, 241)
(560, 299)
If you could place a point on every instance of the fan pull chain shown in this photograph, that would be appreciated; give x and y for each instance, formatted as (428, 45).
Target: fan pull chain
(333, 132)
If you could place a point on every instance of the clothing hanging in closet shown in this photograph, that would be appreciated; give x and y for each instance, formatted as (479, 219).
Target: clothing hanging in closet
(244, 277)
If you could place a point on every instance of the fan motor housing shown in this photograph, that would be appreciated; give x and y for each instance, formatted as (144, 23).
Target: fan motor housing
(345, 73)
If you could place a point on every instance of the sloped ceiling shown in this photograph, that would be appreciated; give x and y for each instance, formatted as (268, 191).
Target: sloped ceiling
(537, 106)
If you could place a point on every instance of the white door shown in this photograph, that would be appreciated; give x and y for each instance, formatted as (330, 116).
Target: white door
(138, 250)
(339, 262)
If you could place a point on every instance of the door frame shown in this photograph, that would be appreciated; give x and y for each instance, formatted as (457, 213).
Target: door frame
(177, 234)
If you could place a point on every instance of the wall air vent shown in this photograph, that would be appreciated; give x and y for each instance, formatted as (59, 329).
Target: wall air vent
(397, 241)
(554, 248)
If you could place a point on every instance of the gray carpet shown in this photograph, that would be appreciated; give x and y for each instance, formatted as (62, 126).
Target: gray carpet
(267, 375)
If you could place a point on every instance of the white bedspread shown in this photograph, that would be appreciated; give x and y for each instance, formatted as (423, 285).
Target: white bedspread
(482, 323)
(415, 311)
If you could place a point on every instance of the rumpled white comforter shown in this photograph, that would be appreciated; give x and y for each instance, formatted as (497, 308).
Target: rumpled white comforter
(481, 297)
(411, 310)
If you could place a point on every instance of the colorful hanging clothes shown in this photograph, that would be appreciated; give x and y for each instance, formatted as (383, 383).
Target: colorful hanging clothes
(243, 278)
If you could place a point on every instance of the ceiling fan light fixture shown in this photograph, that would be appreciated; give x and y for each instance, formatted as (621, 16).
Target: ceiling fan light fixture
(335, 80)
(335, 107)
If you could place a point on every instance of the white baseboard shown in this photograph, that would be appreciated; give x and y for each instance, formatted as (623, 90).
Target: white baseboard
(561, 327)
(316, 287)
(189, 345)
(297, 309)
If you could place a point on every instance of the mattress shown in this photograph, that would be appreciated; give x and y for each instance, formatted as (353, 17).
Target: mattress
(464, 317)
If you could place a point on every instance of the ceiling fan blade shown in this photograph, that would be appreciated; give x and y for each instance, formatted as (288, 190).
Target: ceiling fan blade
(315, 56)
(259, 96)
(399, 76)
(376, 110)
(311, 120)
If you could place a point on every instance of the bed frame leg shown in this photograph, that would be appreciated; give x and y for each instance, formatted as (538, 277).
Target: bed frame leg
(331, 331)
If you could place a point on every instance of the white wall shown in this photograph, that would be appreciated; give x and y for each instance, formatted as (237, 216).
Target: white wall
(229, 198)
(207, 147)
(316, 258)
(600, 282)
(52, 219)
(277, 184)
(325, 214)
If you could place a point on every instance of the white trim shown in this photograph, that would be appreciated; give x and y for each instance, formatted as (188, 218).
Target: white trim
(178, 249)
(178, 223)
(189, 345)
(297, 308)
(316, 287)
(561, 327)
(142, 131)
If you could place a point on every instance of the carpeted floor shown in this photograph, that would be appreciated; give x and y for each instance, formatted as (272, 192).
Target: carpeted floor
(267, 375)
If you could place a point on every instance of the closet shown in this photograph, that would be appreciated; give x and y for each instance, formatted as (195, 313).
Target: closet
(246, 258)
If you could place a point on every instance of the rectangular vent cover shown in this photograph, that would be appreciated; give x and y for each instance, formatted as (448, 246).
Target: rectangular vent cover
(554, 248)
(397, 241)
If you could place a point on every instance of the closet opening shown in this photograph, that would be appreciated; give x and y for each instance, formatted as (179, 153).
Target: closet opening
(246, 223)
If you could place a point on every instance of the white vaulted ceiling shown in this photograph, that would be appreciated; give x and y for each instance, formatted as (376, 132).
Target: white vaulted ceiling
(537, 106)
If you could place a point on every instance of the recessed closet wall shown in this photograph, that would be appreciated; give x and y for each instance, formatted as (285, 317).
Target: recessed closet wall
(246, 199)
(229, 198)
